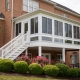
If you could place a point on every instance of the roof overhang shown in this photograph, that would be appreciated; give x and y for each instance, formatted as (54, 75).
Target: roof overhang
(2, 19)
(54, 3)
(47, 13)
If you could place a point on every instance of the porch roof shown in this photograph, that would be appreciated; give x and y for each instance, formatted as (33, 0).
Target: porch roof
(47, 13)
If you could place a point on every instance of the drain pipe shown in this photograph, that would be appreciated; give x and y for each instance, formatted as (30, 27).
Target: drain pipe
(12, 21)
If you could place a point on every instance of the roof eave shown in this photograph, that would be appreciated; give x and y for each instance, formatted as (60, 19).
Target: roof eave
(48, 13)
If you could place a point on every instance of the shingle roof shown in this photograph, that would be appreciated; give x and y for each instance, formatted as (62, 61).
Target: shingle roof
(1, 15)
(61, 6)
(66, 8)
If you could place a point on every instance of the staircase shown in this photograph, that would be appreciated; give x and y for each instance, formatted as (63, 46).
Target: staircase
(15, 47)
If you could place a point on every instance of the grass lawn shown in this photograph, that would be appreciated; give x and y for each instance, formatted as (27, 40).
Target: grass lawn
(7, 77)
(14, 76)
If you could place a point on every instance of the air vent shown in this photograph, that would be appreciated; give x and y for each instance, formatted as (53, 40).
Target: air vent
(65, 15)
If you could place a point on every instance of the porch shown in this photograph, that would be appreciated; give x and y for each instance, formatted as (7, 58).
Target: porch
(69, 56)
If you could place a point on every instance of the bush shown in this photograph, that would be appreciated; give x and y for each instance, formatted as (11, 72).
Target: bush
(79, 72)
(6, 65)
(20, 67)
(35, 69)
(63, 70)
(73, 72)
(51, 70)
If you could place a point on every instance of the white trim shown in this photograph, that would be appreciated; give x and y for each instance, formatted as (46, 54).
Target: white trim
(2, 19)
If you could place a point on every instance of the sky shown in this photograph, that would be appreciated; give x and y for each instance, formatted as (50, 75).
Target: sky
(72, 4)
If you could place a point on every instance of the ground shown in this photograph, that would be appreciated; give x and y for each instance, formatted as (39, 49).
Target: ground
(14, 76)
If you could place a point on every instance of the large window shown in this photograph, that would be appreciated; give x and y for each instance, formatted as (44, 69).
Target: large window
(18, 28)
(76, 32)
(46, 25)
(30, 5)
(34, 25)
(7, 4)
(68, 30)
(58, 28)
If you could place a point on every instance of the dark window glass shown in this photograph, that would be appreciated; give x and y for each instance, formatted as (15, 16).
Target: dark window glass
(49, 26)
(76, 32)
(18, 29)
(58, 28)
(36, 25)
(25, 27)
(32, 26)
(44, 25)
(68, 30)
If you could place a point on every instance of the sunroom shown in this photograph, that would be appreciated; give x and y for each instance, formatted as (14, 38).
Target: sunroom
(47, 30)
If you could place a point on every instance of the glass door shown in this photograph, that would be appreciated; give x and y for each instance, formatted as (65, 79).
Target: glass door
(47, 55)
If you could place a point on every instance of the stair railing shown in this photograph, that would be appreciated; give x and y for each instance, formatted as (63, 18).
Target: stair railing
(7, 48)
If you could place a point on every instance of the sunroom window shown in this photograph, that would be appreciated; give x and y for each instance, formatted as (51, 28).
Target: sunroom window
(76, 32)
(34, 25)
(30, 5)
(46, 25)
(58, 28)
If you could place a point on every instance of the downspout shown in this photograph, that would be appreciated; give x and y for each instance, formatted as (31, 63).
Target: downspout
(12, 21)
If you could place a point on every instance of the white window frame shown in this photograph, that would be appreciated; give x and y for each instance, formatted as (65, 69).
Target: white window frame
(28, 5)
(7, 4)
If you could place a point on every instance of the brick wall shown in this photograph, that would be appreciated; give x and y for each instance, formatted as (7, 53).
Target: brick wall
(1, 32)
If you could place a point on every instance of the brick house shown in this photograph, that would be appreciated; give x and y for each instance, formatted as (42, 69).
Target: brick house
(53, 30)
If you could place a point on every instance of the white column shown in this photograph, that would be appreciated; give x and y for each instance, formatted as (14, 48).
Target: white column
(63, 54)
(40, 27)
(26, 51)
(39, 51)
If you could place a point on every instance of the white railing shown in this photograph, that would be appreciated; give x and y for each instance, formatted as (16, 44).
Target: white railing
(17, 41)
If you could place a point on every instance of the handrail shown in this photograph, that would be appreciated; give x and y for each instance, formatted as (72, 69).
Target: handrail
(12, 44)
(10, 41)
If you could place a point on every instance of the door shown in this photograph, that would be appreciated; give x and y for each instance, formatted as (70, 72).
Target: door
(25, 27)
(47, 55)
(17, 29)
(59, 57)
(74, 59)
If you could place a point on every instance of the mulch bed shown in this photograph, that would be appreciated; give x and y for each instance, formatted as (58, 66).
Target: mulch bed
(39, 76)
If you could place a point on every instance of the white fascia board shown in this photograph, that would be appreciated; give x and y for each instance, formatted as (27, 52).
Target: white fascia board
(2, 19)
(47, 13)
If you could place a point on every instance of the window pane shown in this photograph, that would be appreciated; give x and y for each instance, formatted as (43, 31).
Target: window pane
(70, 30)
(74, 31)
(25, 27)
(46, 38)
(32, 26)
(78, 33)
(44, 25)
(36, 25)
(19, 27)
(34, 38)
(25, 5)
(49, 26)
(66, 29)
(16, 29)
(56, 27)
(60, 28)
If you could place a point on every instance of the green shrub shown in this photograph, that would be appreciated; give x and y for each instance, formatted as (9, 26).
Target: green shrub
(20, 67)
(6, 65)
(79, 72)
(51, 70)
(63, 70)
(35, 69)
(73, 72)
